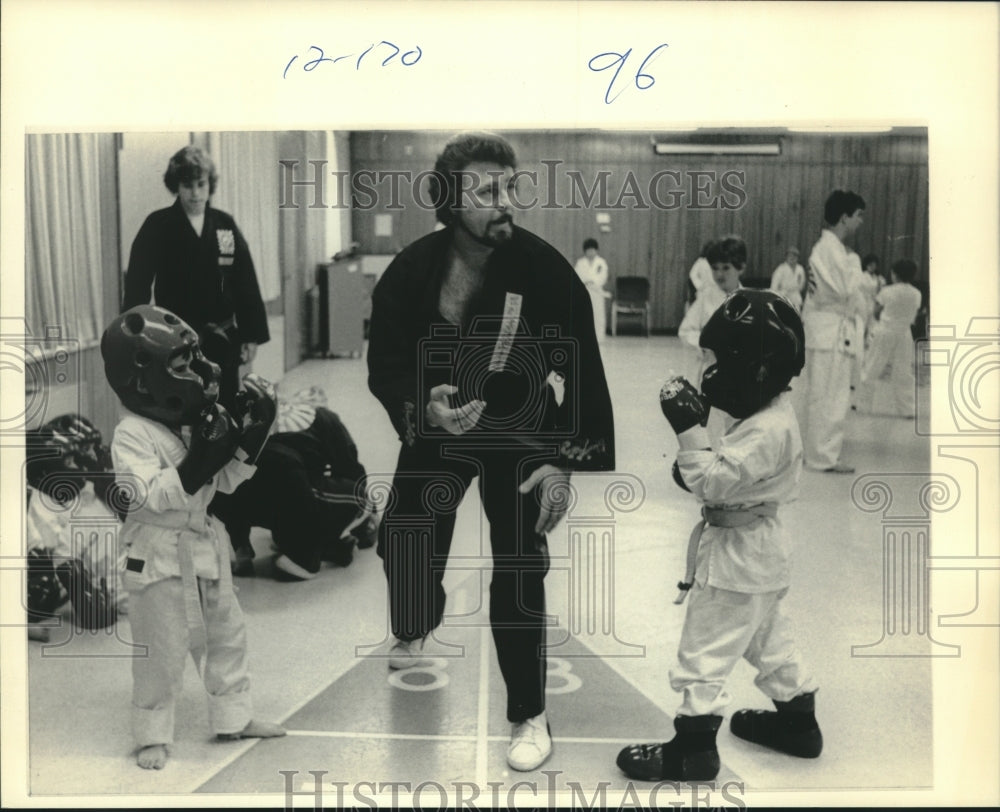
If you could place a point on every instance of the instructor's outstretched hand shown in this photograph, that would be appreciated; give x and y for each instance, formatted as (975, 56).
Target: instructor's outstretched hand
(454, 421)
(553, 495)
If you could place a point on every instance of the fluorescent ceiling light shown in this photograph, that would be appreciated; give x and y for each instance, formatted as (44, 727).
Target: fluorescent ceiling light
(686, 148)
(839, 129)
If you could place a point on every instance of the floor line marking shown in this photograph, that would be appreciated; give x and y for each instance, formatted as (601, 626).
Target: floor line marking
(586, 740)
(358, 734)
(245, 745)
(609, 662)
(481, 741)
(483, 714)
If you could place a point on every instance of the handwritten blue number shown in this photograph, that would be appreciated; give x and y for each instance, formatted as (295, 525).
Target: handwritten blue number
(311, 65)
(619, 60)
(358, 65)
(389, 58)
(652, 81)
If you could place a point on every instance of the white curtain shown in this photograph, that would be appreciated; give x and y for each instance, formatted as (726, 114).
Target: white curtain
(247, 163)
(63, 255)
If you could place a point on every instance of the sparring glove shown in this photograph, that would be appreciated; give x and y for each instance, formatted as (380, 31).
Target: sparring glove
(682, 405)
(256, 411)
(214, 439)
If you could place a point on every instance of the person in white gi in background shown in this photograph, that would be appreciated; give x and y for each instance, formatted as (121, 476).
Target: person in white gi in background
(863, 306)
(701, 273)
(726, 259)
(832, 336)
(593, 272)
(871, 283)
(892, 342)
(738, 557)
(182, 446)
(789, 278)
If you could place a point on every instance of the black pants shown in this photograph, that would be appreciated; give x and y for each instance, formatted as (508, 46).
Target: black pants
(305, 525)
(415, 538)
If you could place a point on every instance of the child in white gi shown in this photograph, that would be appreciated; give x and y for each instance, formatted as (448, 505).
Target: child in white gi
(738, 557)
(181, 446)
(789, 278)
(727, 259)
(891, 340)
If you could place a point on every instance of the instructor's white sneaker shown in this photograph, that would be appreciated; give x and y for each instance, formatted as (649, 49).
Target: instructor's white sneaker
(530, 743)
(406, 653)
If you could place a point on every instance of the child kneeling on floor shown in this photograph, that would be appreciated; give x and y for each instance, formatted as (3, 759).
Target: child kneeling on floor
(182, 446)
(738, 556)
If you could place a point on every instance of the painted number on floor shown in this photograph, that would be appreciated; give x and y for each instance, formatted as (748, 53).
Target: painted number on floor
(562, 671)
(428, 675)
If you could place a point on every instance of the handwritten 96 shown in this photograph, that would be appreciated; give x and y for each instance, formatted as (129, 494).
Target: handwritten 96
(612, 59)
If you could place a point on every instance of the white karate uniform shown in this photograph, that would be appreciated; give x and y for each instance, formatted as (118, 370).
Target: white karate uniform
(594, 274)
(831, 320)
(742, 573)
(701, 276)
(788, 282)
(709, 300)
(180, 589)
(892, 345)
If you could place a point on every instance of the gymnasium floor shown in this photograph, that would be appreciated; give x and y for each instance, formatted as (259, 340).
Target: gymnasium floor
(317, 648)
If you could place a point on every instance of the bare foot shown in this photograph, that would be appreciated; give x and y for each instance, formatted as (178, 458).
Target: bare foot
(254, 730)
(152, 757)
(38, 632)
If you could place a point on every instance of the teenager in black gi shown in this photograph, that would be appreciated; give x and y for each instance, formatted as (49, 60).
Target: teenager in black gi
(510, 388)
(197, 264)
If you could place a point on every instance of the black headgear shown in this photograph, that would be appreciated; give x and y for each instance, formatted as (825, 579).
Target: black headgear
(64, 453)
(138, 347)
(759, 346)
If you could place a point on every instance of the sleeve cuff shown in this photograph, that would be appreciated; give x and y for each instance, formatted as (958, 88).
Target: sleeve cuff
(694, 439)
(240, 468)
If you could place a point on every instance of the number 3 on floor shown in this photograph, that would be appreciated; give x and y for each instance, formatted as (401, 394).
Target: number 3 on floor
(432, 666)
(562, 670)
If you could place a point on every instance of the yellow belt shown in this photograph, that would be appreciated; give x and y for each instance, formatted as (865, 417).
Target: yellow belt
(719, 517)
(193, 609)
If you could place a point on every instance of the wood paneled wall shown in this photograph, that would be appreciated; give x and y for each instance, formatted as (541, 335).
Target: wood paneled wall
(770, 201)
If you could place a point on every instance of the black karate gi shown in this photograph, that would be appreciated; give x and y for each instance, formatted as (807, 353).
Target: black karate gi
(309, 485)
(209, 281)
(411, 349)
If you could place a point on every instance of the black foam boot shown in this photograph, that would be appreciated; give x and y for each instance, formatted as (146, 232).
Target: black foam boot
(690, 756)
(792, 729)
